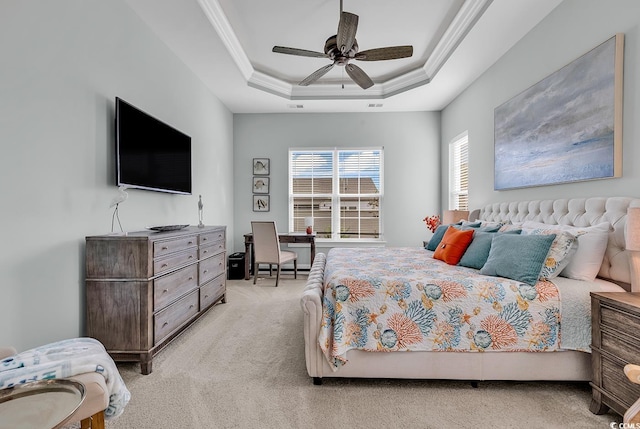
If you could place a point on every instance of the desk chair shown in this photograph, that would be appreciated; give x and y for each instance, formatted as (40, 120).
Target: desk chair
(266, 248)
(91, 413)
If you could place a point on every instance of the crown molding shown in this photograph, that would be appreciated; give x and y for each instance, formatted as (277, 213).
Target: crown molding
(468, 15)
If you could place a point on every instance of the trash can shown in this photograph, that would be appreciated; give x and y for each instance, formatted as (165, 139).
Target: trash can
(235, 266)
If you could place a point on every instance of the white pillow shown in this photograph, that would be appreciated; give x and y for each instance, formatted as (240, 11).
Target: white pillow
(592, 243)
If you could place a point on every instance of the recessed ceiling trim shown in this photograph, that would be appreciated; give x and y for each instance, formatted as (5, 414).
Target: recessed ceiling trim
(220, 23)
(270, 84)
(463, 22)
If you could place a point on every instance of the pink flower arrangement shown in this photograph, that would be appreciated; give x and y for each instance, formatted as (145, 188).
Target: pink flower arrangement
(432, 222)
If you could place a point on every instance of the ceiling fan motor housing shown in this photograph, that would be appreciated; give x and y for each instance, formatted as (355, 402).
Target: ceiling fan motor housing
(335, 54)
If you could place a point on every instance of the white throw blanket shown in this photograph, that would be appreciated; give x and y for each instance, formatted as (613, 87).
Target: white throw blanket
(65, 359)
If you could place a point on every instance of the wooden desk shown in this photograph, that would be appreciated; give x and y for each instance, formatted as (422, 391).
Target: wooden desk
(290, 237)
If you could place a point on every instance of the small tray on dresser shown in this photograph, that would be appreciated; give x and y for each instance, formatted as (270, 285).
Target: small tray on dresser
(165, 228)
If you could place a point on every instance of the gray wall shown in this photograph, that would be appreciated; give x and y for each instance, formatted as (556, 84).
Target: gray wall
(411, 164)
(572, 29)
(62, 64)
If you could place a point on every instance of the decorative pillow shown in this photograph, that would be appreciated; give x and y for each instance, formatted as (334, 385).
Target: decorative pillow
(592, 244)
(481, 226)
(489, 224)
(510, 226)
(437, 237)
(478, 251)
(453, 244)
(562, 248)
(466, 224)
(518, 257)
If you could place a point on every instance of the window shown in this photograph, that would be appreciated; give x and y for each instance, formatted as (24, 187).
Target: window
(340, 188)
(459, 173)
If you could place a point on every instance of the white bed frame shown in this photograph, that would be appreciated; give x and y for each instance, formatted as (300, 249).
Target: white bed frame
(562, 365)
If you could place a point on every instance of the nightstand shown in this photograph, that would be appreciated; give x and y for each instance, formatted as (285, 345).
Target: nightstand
(615, 342)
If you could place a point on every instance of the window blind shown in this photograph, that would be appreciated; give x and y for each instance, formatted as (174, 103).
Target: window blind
(340, 188)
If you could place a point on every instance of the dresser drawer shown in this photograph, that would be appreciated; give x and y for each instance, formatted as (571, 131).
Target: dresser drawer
(212, 267)
(167, 289)
(208, 251)
(173, 261)
(166, 247)
(211, 237)
(619, 320)
(167, 320)
(614, 380)
(619, 347)
(212, 291)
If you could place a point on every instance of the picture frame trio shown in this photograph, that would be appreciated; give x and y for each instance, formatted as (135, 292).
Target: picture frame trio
(261, 184)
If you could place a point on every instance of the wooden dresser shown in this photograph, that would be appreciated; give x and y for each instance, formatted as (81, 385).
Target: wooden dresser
(144, 288)
(615, 337)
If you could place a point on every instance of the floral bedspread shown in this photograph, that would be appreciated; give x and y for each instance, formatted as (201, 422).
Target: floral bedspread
(401, 299)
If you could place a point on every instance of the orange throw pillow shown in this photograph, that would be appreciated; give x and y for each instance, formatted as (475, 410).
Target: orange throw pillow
(453, 245)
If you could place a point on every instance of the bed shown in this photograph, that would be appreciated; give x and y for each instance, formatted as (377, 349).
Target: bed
(400, 313)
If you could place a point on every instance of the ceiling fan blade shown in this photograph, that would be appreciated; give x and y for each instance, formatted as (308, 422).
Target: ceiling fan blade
(347, 28)
(359, 76)
(316, 75)
(299, 52)
(388, 53)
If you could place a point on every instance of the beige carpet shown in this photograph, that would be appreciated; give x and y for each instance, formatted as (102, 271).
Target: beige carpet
(242, 366)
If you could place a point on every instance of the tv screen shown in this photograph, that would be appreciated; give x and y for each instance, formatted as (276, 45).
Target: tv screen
(149, 153)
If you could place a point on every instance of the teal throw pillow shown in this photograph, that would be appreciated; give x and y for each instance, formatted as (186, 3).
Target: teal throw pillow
(518, 257)
(478, 251)
(437, 237)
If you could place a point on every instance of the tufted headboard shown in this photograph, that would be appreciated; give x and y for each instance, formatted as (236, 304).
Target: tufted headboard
(577, 212)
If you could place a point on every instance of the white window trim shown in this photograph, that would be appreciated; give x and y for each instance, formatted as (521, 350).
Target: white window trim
(453, 191)
(351, 242)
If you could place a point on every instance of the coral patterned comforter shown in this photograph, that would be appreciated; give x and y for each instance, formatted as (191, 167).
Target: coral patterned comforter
(401, 299)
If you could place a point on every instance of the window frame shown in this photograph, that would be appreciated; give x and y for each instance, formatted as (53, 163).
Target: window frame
(336, 196)
(458, 173)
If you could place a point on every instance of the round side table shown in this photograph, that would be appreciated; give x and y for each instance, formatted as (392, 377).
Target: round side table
(40, 404)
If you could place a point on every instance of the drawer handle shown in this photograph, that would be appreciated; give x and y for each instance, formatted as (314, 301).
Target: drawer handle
(206, 296)
(164, 248)
(204, 238)
(165, 324)
(191, 306)
(191, 242)
(190, 257)
(205, 271)
(205, 252)
(164, 265)
(165, 291)
(191, 278)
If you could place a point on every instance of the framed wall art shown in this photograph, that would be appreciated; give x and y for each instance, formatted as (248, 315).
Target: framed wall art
(565, 128)
(260, 185)
(261, 166)
(261, 203)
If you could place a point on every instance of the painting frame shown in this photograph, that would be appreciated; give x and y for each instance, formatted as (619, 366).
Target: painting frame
(261, 166)
(261, 203)
(565, 128)
(260, 185)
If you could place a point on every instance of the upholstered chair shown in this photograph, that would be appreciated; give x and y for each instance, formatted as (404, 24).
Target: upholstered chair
(266, 247)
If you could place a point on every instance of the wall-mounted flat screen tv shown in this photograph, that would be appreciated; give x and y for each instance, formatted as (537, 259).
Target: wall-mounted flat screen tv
(149, 153)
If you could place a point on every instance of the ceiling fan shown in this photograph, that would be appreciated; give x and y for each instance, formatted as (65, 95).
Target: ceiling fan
(342, 48)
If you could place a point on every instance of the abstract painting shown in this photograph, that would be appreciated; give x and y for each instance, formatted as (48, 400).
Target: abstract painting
(565, 128)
